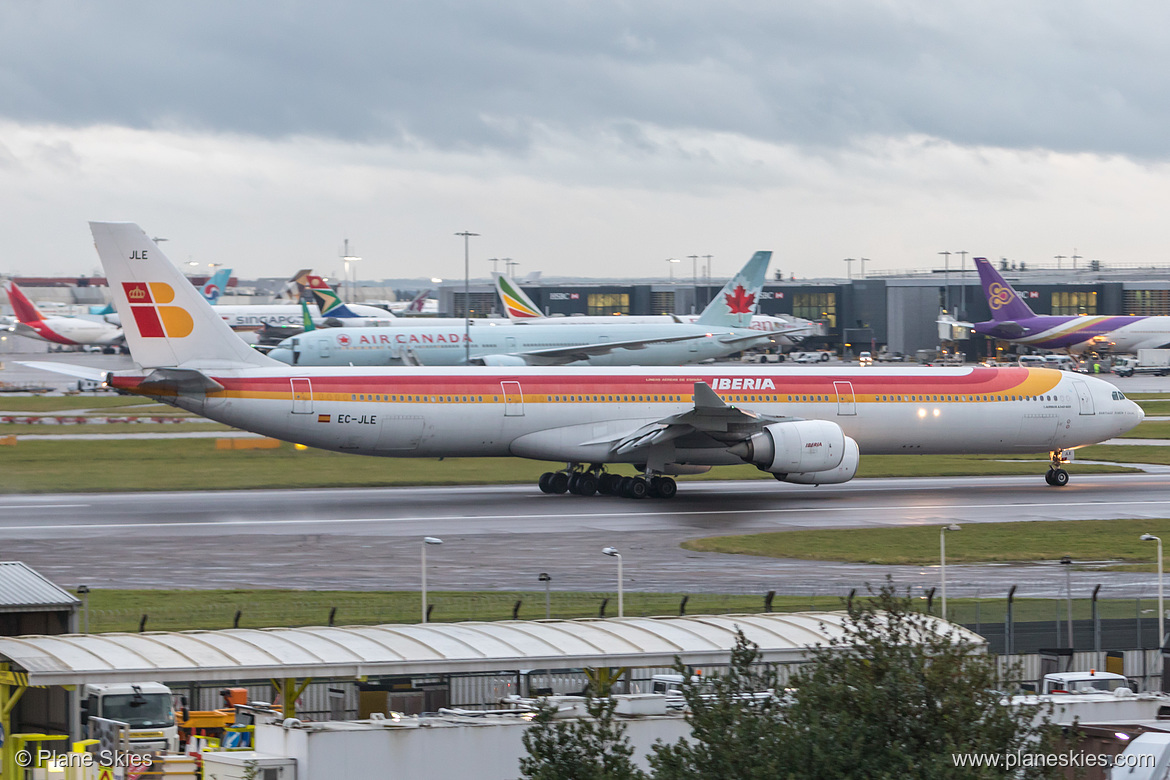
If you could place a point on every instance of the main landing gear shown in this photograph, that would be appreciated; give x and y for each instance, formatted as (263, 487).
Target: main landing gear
(594, 480)
(1056, 476)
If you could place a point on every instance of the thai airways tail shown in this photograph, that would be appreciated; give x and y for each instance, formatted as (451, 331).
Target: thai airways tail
(735, 304)
(25, 310)
(166, 321)
(517, 305)
(215, 286)
(1005, 303)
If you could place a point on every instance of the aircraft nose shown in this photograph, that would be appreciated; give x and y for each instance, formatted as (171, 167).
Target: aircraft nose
(283, 354)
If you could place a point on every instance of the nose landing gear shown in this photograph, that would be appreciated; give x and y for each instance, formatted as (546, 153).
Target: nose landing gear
(1056, 476)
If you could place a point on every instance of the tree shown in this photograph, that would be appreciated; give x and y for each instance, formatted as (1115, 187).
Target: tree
(893, 697)
(593, 748)
(890, 698)
(735, 720)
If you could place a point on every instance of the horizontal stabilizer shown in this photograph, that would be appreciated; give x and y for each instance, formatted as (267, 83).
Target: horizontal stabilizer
(81, 372)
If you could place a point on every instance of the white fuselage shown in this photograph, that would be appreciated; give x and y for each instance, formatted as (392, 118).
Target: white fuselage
(575, 415)
(72, 331)
(446, 345)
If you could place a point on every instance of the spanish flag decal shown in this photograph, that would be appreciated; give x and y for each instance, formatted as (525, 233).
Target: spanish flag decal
(323, 418)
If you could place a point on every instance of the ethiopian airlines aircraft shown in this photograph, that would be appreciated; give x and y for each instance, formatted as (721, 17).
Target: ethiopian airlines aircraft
(612, 341)
(70, 331)
(522, 310)
(1013, 320)
(804, 425)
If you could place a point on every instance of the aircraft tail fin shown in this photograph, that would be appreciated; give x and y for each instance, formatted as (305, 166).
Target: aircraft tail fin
(517, 305)
(418, 302)
(735, 304)
(328, 301)
(306, 318)
(216, 285)
(166, 321)
(1005, 303)
(25, 310)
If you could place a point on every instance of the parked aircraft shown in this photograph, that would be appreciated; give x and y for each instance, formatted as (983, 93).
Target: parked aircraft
(803, 425)
(1013, 320)
(522, 310)
(69, 331)
(611, 342)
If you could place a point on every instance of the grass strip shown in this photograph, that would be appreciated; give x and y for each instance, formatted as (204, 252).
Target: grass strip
(183, 610)
(1082, 540)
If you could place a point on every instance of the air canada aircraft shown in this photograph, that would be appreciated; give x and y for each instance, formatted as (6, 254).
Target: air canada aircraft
(803, 425)
(521, 310)
(1013, 320)
(608, 342)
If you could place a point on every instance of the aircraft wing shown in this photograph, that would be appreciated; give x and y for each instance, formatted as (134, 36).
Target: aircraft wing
(763, 335)
(711, 418)
(81, 372)
(561, 355)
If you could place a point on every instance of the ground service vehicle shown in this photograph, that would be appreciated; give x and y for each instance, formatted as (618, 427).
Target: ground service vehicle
(1148, 361)
(146, 707)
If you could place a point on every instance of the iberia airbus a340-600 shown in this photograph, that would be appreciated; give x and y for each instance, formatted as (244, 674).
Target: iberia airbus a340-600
(804, 425)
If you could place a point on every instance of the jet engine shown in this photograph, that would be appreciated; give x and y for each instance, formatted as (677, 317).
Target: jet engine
(797, 447)
(843, 472)
(500, 360)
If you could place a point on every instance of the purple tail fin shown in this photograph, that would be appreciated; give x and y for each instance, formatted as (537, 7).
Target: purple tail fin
(1004, 302)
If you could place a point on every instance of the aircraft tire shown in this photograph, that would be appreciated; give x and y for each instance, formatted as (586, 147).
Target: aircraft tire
(623, 486)
(605, 484)
(586, 485)
(544, 481)
(638, 488)
(1058, 477)
(574, 481)
(559, 482)
(666, 488)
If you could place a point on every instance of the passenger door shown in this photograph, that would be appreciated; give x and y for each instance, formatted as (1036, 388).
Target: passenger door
(513, 399)
(302, 393)
(846, 401)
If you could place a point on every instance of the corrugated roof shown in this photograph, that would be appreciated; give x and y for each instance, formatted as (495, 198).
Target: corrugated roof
(21, 588)
(432, 648)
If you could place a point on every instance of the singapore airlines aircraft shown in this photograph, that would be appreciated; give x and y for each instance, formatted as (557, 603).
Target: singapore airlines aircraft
(1013, 320)
(70, 331)
(609, 342)
(806, 425)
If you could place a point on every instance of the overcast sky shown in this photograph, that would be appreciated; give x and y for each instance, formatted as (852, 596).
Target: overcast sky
(585, 138)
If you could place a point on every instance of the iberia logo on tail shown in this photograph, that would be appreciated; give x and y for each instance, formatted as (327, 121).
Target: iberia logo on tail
(155, 320)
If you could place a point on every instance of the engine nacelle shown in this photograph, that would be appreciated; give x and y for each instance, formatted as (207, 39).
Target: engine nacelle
(794, 447)
(500, 360)
(843, 472)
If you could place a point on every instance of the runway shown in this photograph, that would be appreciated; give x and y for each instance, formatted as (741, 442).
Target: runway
(501, 537)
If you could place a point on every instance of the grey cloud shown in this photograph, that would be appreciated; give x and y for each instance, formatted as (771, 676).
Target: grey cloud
(1069, 76)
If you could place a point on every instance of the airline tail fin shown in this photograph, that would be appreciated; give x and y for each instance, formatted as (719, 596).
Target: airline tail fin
(25, 310)
(328, 301)
(216, 285)
(735, 304)
(1006, 304)
(166, 321)
(418, 303)
(306, 318)
(517, 305)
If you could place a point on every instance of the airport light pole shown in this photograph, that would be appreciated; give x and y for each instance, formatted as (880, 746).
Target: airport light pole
(942, 560)
(426, 540)
(962, 282)
(946, 280)
(1161, 604)
(467, 236)
(672, 261)
(612, 551)
(849, 261)
(863, 261)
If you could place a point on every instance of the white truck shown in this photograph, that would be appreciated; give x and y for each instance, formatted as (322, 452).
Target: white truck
(1148, 361)
(1083, 682)
(146, 707)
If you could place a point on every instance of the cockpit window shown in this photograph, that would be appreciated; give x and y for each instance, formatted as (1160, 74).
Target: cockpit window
(1118, 396)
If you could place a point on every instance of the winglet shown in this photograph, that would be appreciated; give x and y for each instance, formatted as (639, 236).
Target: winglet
(706, 398)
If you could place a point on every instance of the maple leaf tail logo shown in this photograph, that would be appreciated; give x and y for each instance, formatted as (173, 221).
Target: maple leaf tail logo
(738, 301)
